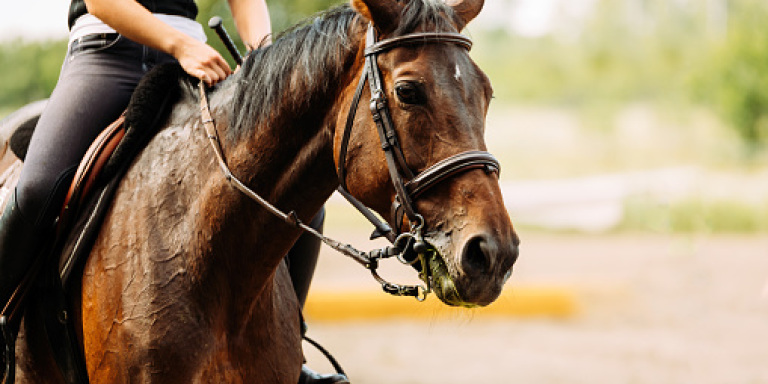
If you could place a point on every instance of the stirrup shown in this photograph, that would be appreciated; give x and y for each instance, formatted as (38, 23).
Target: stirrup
(8, 352)
(308, 376)
(327, 355)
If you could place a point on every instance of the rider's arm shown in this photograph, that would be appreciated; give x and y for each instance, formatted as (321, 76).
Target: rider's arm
(252, 21)
(135, 22)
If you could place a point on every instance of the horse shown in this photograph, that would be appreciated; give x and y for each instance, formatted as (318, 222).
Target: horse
(186, 282)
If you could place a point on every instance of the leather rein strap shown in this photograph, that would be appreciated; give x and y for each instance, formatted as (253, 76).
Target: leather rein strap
(291, 217)
(396, 163)
(369, 260)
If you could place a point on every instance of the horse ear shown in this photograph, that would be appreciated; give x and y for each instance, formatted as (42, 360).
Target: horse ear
(466, 9)
(383, 13)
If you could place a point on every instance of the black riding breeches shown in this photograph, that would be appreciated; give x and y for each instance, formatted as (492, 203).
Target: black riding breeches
(97, 78)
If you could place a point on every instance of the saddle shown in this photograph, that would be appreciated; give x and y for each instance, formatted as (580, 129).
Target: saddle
(88, 199)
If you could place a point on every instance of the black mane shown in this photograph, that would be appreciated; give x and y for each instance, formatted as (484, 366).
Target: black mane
(306, 60)
(300, 63)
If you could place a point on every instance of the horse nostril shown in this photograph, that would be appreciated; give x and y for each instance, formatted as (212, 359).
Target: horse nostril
(477, 256)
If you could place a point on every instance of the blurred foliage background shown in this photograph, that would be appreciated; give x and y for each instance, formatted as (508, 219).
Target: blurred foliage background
(622, 51)
(633, 142)
(30, 68)
(711, 53)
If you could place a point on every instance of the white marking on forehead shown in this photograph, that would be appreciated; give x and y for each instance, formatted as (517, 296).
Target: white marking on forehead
(457, 74)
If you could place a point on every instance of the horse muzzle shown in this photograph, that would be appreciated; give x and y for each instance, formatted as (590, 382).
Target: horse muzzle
(479, 271)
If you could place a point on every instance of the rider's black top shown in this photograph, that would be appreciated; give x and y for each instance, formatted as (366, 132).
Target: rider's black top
(186, 8)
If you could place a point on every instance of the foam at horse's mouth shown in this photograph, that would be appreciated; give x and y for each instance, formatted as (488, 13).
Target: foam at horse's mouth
(443, 284)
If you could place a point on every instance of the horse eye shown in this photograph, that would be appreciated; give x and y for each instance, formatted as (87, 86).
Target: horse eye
(410, 93)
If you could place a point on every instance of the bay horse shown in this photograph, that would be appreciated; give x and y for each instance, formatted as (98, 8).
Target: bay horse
(186, 281)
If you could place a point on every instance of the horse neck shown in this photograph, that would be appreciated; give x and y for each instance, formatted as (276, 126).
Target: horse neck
(289, 162)
(288, 157)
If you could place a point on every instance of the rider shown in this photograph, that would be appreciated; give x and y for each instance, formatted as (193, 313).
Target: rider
(112, 44)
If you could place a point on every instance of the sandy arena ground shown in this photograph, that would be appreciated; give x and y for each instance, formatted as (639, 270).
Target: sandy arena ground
(652, 309)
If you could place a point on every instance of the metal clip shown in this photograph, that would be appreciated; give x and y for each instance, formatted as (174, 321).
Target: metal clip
(378, 102)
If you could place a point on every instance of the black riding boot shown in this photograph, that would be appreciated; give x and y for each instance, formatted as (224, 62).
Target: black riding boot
(19, 245)
(18, 249)
(302, 259)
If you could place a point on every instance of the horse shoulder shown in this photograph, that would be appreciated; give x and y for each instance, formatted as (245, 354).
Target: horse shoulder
(136, 284)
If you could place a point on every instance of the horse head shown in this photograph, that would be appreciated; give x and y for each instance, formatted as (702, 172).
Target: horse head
(436, 99)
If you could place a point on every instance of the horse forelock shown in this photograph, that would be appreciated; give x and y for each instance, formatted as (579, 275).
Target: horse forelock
(308, 59)
(429, 15)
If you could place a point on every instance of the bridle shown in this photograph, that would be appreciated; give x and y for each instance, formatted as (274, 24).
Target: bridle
(408, 247)
(408, 185)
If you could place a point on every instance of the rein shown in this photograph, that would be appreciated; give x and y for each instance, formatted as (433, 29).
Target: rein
(369, 260)
(403, 244)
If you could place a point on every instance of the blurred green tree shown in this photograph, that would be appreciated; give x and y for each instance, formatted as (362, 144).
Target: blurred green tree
(735, 77)
(618, 52)
(283, 14)
(30, 71)
(621, 51)
(30, 68)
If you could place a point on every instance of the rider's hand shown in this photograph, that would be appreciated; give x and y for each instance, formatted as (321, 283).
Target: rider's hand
(202, 61)
(135, 22)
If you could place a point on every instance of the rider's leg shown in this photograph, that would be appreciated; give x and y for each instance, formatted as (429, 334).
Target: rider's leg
(94, 87)
(301, 260)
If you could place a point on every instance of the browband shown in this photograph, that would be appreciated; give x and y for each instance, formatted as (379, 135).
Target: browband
(419, 38)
